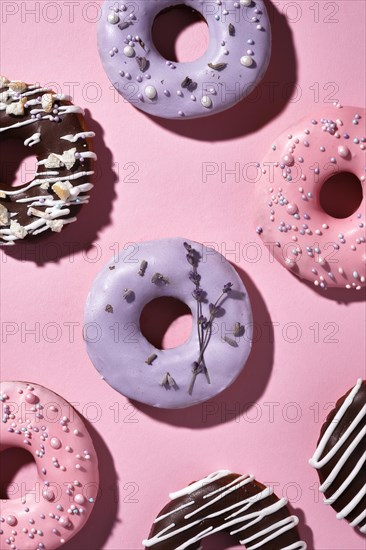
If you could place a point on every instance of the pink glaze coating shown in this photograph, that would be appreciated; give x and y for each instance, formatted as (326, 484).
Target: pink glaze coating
(327, 251)
(52, 510)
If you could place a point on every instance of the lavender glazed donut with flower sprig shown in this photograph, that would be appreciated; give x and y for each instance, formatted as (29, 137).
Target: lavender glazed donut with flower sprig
(235, 61)
(217, 350)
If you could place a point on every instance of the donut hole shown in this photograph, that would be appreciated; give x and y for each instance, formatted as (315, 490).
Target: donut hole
(341, 195)
(18, 164)
(17, 470)
(166, 322)
(180, 34)
(218, 541)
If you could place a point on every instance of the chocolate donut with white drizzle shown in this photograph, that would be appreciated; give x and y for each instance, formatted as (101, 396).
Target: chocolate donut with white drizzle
(341, 455)
(225, 501)
(54, 128)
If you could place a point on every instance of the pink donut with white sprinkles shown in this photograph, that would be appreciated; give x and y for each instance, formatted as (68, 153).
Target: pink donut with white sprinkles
(327, 249)
(53, 508)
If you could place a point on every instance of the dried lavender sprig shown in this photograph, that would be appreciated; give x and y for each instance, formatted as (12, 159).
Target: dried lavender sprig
(143, 267)
(195, 370)
(159, 278)
(198, 294)
(205, 339)
(213, 311)
(151, 359)
(230, 341)
(168, 381)
(238, 329)
(128, 294)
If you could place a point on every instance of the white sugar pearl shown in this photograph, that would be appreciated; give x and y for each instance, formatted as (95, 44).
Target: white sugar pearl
(289, 263)
(150, 92)
(246, 60)
(113, 18)
(245, 2)
(343, 151)
(206, 101)
(128, 51)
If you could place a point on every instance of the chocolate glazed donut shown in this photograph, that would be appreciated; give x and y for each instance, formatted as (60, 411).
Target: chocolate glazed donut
(230, 502)
(54, 128)
(341, 455)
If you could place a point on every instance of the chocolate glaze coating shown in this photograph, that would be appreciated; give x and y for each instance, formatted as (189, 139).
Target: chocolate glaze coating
(225, 510)
(69, 122)
(358, 482)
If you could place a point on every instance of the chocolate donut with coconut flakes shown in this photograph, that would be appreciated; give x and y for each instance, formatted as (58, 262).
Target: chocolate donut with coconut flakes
(53, 128)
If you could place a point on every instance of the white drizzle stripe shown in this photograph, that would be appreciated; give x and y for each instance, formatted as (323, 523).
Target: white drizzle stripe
(314, 461)
(45, 227)
(37, 181)
(358, 520)
(63, 110)
(352, 505)
(161, 536)
(279, 528)
(19, 124)
(216, 499)
(74, 137)
(347, 481)
(33, 140)
(220, 489)
(318, 463)
(296, 546)
(173, 511)
(258, 516)
(197, 538)
(88, 155)
(250, 500)
(199, 484)
(35, 91)
(336, 470)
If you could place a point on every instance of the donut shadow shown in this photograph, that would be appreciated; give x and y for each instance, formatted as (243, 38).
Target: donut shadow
(305, 532)
(99, 527)
(92, 218)
(262, 105)
(358, 532)
(247, 389)
(341, 295)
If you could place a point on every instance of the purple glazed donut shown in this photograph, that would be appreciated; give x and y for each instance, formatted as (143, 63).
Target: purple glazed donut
(235, 61)
(208, 362)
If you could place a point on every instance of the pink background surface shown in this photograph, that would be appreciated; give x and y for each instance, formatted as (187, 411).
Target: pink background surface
(150, 185)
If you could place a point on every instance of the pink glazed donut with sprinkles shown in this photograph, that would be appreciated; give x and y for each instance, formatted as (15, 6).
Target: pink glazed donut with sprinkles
(47, 515)
(302, 236)
(235, 61)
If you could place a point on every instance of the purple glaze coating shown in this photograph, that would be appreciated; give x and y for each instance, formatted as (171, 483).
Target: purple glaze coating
(234, 28)
(121, 358)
